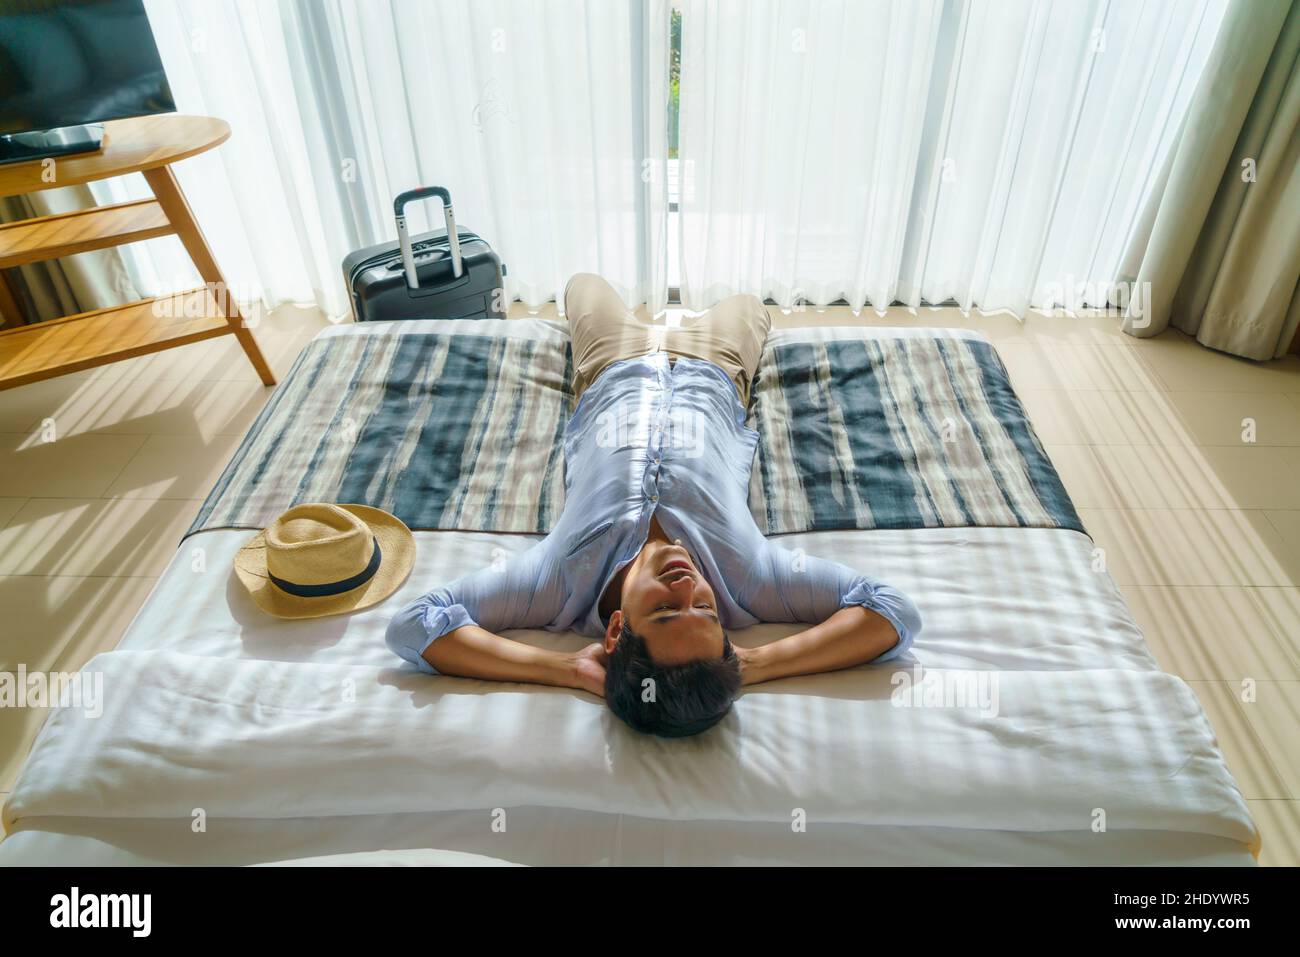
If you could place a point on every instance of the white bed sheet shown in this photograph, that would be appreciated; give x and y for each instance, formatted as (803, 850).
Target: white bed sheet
(999, 600)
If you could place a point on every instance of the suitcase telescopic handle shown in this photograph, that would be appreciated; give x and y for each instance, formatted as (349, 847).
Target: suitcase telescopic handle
(404, 237)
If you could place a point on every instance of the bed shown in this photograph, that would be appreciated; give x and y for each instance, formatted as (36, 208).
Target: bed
(1028, 725)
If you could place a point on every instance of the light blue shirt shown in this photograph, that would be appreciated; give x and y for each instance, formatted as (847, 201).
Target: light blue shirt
(651, 439)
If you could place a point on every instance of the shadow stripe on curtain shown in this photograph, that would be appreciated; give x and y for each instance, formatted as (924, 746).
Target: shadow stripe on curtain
(1221, 249)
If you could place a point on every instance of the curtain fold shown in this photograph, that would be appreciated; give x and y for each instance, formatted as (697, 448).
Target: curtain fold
(1222, 260)
(266, 201)
(540, 117)
(995, 153)
(799, 142)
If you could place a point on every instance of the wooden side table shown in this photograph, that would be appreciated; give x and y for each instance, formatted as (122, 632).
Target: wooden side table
(149, 145)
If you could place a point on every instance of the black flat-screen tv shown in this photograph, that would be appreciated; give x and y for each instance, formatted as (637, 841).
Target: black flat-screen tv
(66, 66)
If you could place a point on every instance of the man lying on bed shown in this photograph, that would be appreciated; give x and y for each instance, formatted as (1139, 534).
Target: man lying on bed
(656, 551)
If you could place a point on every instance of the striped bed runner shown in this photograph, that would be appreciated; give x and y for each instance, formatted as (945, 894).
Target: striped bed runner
(460, 425)
(915, 431)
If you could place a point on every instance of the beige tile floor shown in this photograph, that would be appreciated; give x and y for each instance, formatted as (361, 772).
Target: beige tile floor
(1183, 464)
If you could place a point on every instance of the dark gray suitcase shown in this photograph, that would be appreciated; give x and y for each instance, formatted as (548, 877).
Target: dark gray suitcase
(444, 274)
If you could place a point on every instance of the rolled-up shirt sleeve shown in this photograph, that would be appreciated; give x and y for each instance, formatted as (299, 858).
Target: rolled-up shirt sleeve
(791, 585)
(889, 603)
(521, 592)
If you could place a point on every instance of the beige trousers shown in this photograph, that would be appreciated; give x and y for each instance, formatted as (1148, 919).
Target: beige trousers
(604, 331)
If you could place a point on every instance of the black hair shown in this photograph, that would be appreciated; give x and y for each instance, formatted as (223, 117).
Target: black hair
(686, 699)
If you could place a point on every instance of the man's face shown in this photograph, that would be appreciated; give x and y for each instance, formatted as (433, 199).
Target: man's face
(667, 601)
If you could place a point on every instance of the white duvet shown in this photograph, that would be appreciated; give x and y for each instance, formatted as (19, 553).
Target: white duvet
(1068, 728)
(255, 739)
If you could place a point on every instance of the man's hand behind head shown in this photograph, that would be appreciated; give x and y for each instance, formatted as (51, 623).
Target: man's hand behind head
(589, 668)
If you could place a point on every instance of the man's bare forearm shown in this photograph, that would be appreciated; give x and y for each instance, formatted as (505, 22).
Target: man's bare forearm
(474, 652)
(851, 636)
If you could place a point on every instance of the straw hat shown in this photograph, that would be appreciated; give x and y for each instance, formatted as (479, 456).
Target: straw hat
(319, 559)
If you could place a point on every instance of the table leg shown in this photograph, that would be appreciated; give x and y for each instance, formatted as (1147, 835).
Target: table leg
(168, 193)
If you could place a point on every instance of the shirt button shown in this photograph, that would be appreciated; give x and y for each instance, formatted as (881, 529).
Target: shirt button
(654, 498)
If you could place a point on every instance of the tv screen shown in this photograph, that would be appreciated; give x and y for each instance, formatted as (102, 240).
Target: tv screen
(73, 62)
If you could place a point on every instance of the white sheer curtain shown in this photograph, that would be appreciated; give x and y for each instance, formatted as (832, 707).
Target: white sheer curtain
(538, 115)
(998, 153)
(993, 152)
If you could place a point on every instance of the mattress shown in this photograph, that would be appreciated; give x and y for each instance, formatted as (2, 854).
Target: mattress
(1006, 602)
(1028, 724)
